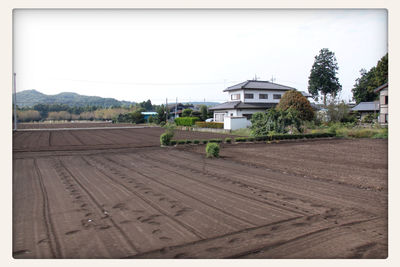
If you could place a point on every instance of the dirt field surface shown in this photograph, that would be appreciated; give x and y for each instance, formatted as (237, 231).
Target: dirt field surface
(310, 199)
(71, 125)
(98, 139)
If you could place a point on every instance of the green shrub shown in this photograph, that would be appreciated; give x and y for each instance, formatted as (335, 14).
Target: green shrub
(215, 140)
(196, 142)
(186, 121)
(188, 141)
(181, 142)
(165, 138)
(228, 140)
(250, 139)
(204, 141)
(240, 139)
(212, 150)
(215, 125)
(172, 142)
(382, 134)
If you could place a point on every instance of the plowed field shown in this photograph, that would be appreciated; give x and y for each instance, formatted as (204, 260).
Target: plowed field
(81, 195)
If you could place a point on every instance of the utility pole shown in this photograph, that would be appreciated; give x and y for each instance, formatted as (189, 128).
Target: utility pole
(166, 110)
(176, 106)
(15, 100)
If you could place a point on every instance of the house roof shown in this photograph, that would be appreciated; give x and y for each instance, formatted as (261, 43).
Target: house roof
(305, 94)
(259, 85)
(242, 105)
(383, 86)
(366, 106)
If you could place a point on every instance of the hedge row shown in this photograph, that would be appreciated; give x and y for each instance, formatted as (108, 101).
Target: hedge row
(252, 139)
(282, 137)
(186, 121)
(204, 124)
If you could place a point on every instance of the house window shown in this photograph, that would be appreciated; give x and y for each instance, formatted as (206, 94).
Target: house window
(277, 96)
(248, 96)
(386, 118)
(235, 96)
(386, 99)
(263, 96)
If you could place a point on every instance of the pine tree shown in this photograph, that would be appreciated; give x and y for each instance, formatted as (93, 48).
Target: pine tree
(323, 78)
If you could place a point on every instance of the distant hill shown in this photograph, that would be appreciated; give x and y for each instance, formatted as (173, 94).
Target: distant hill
(29, 98)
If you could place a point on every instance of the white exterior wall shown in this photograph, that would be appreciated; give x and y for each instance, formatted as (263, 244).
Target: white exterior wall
(383, 108)
(229, 112)
(257, 99)
(234, 123)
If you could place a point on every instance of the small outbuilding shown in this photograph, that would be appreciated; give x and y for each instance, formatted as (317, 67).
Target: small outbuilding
(366, 108)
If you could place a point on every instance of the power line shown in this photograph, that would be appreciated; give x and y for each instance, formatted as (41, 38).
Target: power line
(157, 84)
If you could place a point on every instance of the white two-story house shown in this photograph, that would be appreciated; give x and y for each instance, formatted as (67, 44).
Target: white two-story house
(247, 98)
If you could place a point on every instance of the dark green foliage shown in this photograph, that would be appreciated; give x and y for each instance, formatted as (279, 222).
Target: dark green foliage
(212, 150)
(204, 141)
(162, 113)
(323, 78)
(132, 117)
(186, 121)
(196, 142)
(369, 118)
(146, 105)
(150, 119)
(284, 137)
(215, 140)
(274, 121)
(203, 112)
(363, 90)
(165, 138)
(215, 125)
(187, 112)
(340, 112)
(188, 141)
(172, 142)
(228, 140)
(195, 113)
(296, 101)
(181, 142)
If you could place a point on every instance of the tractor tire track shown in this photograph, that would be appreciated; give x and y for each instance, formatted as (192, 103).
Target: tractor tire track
(181, 192)
(219, 187)
(54, 242)
(187, 227)
(99, 207)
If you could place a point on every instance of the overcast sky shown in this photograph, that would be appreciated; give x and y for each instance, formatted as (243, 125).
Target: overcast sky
(137, 55)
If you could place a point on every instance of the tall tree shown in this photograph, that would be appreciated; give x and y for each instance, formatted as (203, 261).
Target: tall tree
(323, 78)
(363, 90)
(204, 112)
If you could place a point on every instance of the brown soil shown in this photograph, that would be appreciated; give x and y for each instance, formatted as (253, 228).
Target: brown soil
(51, 140)
(55, 125)
(316, 199)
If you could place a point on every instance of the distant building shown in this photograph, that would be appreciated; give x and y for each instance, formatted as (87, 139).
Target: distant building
(383, 103)
(148, 114)
(366, 108)
(179, 108)
(247, 98)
